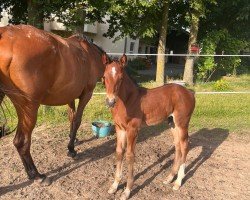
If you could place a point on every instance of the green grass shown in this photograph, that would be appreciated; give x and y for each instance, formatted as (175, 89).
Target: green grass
(239, 83)
(227, 111)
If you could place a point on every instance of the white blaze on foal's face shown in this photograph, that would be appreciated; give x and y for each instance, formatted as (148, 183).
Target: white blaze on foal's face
(113, 72)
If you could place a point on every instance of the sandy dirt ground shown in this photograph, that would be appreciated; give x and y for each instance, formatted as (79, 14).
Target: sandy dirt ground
(218, 166)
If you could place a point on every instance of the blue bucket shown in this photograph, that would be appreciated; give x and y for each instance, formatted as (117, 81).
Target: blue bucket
(101, 128)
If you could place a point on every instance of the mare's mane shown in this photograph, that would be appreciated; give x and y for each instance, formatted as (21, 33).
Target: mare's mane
(82, 37)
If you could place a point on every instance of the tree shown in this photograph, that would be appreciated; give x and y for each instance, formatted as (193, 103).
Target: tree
(197, 10)
(162, 45)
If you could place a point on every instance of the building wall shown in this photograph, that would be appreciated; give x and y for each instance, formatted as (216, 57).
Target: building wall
(95, 33)
(4, 20)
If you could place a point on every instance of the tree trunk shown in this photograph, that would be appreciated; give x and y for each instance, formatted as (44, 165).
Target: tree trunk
(35, 14)
(162, 45)
(79, 28)
(188, 76)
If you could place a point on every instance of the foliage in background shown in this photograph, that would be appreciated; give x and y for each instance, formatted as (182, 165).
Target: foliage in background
(221, 85)
(217, 42)
(139, 63)
(72, 13)
(225, 28)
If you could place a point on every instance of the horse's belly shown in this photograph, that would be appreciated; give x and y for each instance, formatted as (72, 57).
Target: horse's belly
(154, 118)
(152, 122)
(61, 97)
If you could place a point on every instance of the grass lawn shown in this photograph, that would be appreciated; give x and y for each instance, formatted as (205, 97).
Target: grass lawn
(227, 111)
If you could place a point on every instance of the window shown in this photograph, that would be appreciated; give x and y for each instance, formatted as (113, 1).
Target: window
(140, 50)
(132, 45)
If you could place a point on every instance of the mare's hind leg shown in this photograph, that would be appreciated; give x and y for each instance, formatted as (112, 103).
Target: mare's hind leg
(120, 147)
(76, 121)
(183, 137)
(177, 158)
(27, 116)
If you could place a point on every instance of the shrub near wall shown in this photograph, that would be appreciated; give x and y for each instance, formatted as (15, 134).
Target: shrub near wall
(139, 63)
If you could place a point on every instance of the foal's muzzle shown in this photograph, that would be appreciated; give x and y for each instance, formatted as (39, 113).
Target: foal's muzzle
(110, 103)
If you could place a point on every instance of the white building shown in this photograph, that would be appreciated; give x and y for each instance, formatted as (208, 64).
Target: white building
(95, 33)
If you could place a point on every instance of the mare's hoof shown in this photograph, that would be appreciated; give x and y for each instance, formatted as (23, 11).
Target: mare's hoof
(72, 154)
(43, 180)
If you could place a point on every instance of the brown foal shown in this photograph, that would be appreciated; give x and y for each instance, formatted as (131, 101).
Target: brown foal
(133, 106)
(38, 67)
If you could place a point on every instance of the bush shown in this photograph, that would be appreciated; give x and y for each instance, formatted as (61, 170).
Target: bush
(139, 63)
(220, 41)
(221, 85)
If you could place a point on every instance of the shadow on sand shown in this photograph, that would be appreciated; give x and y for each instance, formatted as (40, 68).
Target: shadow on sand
(208, 139)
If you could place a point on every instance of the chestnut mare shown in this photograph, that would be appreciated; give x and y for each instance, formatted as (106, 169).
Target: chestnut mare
(133, 106)
(38, 67)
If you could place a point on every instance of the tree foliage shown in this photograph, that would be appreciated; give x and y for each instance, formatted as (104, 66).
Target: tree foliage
(66, 11)
(223, 30)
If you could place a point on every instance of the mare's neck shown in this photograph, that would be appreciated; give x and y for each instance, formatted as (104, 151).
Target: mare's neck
(128, 89)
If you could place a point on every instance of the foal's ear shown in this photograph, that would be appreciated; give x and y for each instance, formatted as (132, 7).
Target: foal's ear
(123, 60)
(105, 59)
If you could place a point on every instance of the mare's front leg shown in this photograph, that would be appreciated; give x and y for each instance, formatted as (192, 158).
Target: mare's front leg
(76, 118)
(120, 147)
(27, 116)
(132, 132)
(71, 116)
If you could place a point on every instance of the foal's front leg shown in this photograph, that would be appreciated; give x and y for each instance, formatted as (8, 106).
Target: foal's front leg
(130, 158)
(120, 147)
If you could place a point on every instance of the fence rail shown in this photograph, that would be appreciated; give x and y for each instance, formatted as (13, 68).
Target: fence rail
(226, 92)
(183, 55)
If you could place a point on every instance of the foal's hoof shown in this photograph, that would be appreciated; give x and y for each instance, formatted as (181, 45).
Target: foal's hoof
(43, 180)
(112, 190)
(168, 180)
(176, 186)
(125, 194)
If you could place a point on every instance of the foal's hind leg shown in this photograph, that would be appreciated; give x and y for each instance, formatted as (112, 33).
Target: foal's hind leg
(76, 121)
(177, 158)
(27, 116)
(120, 147)
(183, 137)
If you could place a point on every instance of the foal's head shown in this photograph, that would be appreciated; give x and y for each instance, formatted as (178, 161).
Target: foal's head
(113, 76)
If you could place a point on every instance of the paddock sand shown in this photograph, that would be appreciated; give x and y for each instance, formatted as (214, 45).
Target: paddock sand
(218, 166)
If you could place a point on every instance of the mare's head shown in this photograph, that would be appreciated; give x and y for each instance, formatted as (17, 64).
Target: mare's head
(113, 76)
